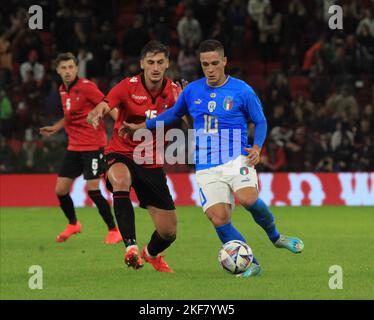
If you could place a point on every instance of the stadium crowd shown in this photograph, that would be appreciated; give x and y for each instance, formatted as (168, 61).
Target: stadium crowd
(316, 84)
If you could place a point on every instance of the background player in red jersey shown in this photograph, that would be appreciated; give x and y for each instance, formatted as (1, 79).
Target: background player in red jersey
(137, 99)
(85, 150)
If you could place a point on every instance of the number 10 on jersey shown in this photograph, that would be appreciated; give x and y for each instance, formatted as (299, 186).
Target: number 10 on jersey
(210, 124)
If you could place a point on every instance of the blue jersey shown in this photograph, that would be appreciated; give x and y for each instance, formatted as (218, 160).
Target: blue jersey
(221, 115)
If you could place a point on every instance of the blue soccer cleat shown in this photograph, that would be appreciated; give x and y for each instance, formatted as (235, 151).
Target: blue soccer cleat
(254, 270)
(295, 245)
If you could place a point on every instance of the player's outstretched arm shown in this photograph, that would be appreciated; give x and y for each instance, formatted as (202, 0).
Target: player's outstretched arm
(48, 131)
(95, 115)
(168, 117)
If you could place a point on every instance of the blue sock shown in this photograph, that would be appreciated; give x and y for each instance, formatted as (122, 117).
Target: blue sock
(227, 232)
(264, 218)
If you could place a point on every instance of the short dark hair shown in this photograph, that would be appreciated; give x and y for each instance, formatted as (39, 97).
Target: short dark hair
(154, 47)
(64, 57)
(211, 45)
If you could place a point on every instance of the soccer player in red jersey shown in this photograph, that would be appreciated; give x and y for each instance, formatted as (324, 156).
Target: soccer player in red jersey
(139, 98)
(85, 150)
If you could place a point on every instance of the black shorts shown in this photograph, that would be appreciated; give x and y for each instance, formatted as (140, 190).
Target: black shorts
(90, 163)
(150, 184)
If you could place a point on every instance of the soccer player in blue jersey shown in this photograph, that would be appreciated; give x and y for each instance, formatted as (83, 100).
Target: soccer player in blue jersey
(221, 107)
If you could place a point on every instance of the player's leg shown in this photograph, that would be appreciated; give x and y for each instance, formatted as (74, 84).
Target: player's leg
(216, 200)
(264, 218)
(93, 167)
(165, 222)
(63, 186)
(120, 180)
(244, 183)
(103, 207)
(218, 203)
(154, 195)
(220, 216)
(248, 198)
(70, 169)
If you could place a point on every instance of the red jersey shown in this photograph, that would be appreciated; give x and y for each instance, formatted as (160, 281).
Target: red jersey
(135, 105)
(77, 101)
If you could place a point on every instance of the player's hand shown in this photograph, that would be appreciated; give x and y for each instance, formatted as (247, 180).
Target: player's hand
(94, 117)
(47, 131)
(130, 128)
(178, 90)
(253, 157)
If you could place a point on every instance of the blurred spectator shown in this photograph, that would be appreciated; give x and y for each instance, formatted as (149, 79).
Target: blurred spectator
(5, 52)
(344, 104)
(277, 91)
(294, 25)
(83, 57)
(296, 150)
(135, 37)
(222, 31)
(188, 63)
(104, 42)
(292, 61)
(367, 21)
(366, 40)
(237, 18)
(256, 9)
(342, 146)
(273, 157)
(6, 113)
(326, 77)
(116, 67)
(189, 31)
(269, 26)
(7, 157)
(162, 24)
(34, 66)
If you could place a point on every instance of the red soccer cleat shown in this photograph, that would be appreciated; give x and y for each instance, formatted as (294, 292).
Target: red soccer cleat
(158, 263)
(69, 230)
(133, 259)
(113, 236)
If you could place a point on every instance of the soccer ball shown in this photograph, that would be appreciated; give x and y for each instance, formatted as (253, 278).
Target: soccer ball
(235, 256)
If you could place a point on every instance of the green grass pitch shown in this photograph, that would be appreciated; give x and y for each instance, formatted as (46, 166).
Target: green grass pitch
(85, 268)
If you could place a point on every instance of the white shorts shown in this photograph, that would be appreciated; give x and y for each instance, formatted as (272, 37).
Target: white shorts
(217, 184)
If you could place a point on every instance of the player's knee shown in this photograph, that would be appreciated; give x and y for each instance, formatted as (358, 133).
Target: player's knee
(169, 235)
(120, 185)
(249, 199)
(61, 191)
(218, 221)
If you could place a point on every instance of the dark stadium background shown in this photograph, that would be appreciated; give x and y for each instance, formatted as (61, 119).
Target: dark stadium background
(316, 84)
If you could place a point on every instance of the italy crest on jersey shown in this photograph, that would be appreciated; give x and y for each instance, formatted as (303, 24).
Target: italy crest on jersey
(244, 171)
(227, 103)
(211, 106)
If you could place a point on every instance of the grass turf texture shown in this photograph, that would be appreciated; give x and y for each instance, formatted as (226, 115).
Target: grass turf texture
(85, 268)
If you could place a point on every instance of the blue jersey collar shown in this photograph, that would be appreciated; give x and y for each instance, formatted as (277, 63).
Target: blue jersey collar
(227, 79)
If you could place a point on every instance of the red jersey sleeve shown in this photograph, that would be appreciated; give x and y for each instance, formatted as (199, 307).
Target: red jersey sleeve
(116, 95)
(92, 92)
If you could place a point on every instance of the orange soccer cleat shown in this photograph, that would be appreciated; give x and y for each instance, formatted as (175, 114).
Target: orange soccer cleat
(133, 259)
(113, 236)
(69, 230)
(158, 263)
